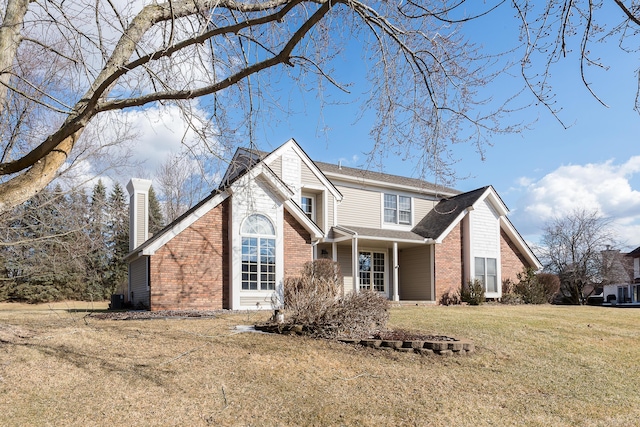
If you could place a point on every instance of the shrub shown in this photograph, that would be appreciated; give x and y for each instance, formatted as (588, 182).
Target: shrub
(472, 293)
(551, 284)
(509, 294)
(451, 297)
(315, 301)
(531, 290)
(308, 296)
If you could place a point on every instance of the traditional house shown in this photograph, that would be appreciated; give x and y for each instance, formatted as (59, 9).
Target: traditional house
(625, 292)
(273, 212)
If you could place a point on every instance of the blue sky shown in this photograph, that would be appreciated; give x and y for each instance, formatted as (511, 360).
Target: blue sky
(542, 172)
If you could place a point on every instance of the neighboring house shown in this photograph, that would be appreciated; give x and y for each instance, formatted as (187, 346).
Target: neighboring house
(625, 293)
(273, 212)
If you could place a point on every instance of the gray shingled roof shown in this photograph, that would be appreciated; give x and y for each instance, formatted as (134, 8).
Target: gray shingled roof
(444, 213)
(376, 233)
(246, 158)
(384, 177)
(634, 253)
(243, 160)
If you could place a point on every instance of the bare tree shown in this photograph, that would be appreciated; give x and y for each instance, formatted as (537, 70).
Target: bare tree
(573, 249)
(94, 57)
(555, 30)
(181, 185)
(65, 64)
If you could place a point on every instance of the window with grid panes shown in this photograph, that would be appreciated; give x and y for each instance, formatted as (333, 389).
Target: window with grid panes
(258, 254)
(397, 209)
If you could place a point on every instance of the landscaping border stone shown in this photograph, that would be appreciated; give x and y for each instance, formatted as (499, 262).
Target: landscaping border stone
(443, 346)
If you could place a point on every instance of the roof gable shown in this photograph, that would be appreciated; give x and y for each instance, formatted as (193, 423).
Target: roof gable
(243, 160)
(634, 253)
(179, 224)
(313, 167)
(447, 214)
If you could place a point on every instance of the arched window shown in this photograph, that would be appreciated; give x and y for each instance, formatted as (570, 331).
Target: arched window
(258, 254)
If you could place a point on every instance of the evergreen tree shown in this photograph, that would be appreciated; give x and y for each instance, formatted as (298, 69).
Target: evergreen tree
(39, 265)
(98, 256)
(118, 241)
(156, 221)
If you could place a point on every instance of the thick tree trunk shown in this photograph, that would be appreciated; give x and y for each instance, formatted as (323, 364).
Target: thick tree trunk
(10, 38)
(26, 185)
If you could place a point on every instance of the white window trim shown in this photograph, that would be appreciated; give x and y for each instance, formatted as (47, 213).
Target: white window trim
(397, 224)
(498, 291)
(259, 237)
(385, 272)
(314, 205)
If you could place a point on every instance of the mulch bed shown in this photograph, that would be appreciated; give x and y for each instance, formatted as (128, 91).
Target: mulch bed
(402, 335)
(144, 314)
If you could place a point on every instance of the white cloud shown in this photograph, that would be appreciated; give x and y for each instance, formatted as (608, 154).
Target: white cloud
(134, 143)
(160, 132)
(605, 187)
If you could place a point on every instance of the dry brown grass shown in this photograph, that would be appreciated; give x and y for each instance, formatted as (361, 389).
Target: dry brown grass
(542, 365)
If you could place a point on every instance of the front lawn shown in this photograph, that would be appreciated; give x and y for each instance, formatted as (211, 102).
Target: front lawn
(534, 365)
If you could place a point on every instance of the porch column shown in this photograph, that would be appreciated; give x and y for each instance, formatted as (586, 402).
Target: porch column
(355, 267)
(396, 297)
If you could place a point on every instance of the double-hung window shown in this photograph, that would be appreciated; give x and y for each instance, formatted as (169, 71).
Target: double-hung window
(397, 209)
(486, 271)
(258, 254)
(307, 203)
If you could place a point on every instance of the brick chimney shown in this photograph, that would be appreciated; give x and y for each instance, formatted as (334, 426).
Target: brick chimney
(138, 211)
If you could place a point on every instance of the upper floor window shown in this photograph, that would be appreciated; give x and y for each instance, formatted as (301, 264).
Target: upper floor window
(397, 209)
(258, 254)
(307, 203)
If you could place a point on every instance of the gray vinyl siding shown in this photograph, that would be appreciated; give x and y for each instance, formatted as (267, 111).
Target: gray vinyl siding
(422, 207)
(320, 211)
(308, 177)
(312, 184)
(344, 259)
(276, 166)
(330, 204)
(359, 207)
(414, 274)
(139, 282)
(261, 302)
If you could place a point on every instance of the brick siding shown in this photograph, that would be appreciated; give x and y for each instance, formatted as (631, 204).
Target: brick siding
(449, 263)
(192, 270)
(297, 246)
(512, 260)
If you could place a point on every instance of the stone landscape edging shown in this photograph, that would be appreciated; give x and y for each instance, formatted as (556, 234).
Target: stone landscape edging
(448, 347)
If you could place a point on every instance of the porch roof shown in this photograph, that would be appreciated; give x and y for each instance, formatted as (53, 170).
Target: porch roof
(379, 234)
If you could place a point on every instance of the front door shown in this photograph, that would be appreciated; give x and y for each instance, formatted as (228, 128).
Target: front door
(371, 270)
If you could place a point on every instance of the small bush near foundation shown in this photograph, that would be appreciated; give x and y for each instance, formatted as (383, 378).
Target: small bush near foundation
(314, 301)
(308, 296)
(531, 290)
(472, 293)
(550, 283)
(509, 295)
(451, 297)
